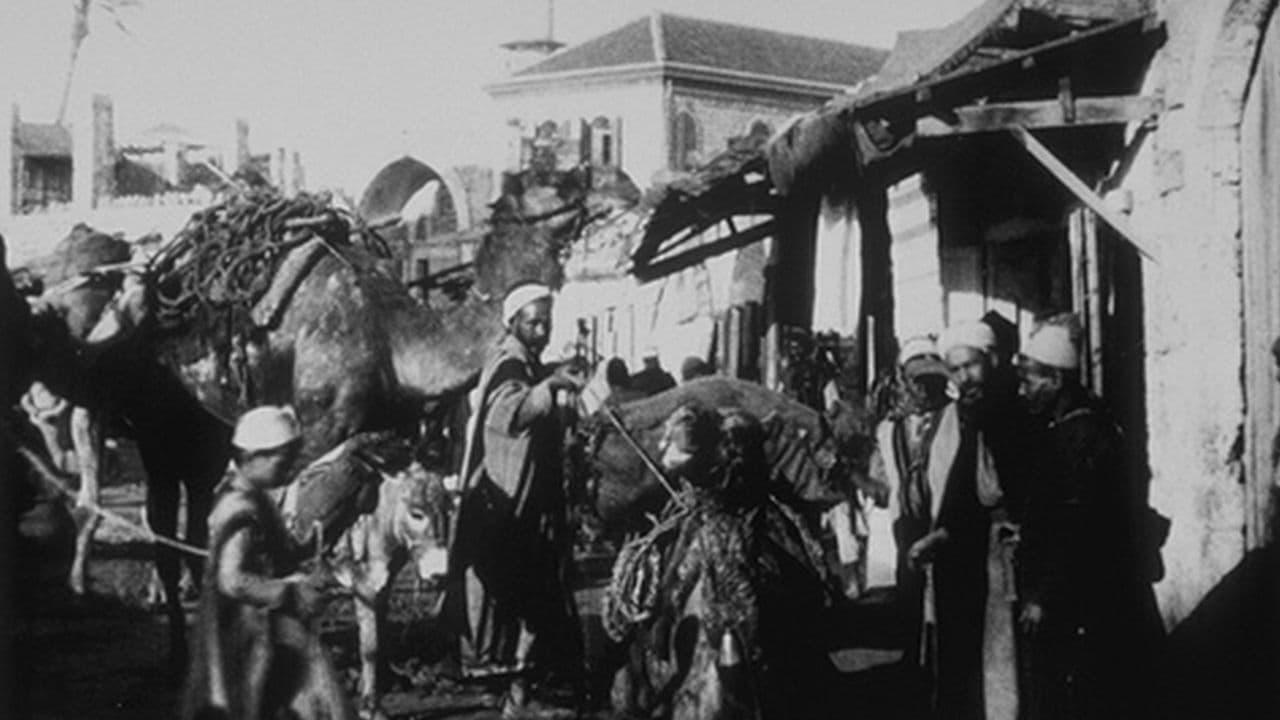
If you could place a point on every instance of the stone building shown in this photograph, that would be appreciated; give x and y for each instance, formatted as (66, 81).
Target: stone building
(1113, 158)
(667, 93)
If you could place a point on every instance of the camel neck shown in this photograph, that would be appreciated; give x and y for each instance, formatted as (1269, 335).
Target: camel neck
(436, 353)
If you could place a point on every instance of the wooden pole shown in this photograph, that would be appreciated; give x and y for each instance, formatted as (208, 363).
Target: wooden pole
(1073, 183)
(1093, 281)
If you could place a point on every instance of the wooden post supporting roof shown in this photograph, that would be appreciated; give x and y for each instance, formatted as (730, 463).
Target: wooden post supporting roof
(1073, 183)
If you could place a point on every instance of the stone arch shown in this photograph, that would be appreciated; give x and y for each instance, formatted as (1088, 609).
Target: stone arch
(1234, 60)
(398, 181)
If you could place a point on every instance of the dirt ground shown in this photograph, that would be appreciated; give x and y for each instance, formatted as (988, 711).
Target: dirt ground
(104, 656)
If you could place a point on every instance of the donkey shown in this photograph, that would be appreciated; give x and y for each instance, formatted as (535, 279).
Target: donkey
(374, 510)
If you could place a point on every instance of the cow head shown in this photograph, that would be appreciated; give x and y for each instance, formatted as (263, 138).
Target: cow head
(418, 507)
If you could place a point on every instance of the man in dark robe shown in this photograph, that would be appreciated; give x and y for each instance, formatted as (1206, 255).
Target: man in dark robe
(1088, 612)
(510, 555)
(652, 378)
(254, 656)
(968, 639)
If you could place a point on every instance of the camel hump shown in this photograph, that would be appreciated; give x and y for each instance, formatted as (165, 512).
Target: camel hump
(719, 393)
(224, 261)
(297, 264)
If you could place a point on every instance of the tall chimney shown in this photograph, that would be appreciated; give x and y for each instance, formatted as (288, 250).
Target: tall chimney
(279, 173)
(80, 115)
(9, 178)
(104, 148)
(299, 174)
(242, 144)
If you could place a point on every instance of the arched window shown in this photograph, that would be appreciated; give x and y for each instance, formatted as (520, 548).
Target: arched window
(603, 144)
(685, 145)
(546, 145)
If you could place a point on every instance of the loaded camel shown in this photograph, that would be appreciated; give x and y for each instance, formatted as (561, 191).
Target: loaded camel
(332, 334)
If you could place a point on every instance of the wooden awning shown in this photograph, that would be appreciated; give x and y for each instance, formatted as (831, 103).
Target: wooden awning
(720, 207)
(1010, 66)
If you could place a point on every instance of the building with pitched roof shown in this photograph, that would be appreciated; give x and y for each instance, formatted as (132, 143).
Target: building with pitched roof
(666, 93)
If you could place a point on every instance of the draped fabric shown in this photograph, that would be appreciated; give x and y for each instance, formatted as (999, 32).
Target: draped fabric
(251, 661)
(961, 606)
(1082, 563)
(508, 563)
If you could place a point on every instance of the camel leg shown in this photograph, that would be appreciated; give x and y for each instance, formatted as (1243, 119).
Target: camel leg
(199, 503)
(48, 427)
(86, 438)
(162, 514)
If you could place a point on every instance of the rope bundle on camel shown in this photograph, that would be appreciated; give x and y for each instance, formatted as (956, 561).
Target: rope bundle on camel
(223, 261)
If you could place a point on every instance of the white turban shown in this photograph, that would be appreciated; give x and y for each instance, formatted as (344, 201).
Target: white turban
(266, 427)
(976, 335)
(921, 348)
(521, 295)
(1052, 345)
(918, 346)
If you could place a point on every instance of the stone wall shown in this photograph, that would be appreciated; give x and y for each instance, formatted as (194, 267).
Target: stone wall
(642, 131)
(1185, 189)
(724, 116)
(31, 236)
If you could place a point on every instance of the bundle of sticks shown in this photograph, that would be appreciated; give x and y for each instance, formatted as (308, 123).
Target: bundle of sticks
(223, 261)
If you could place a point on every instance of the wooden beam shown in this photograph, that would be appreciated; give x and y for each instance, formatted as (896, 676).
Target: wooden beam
(1078, 188)
(693, 256)
(1039, 114)
(1139, 33)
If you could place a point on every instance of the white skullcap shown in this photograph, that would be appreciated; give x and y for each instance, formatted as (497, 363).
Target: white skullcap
(922, 349)
(1052, 345)
(650, 351)
(976, 335)
(918, 346)
(266, 427)
(521, 295)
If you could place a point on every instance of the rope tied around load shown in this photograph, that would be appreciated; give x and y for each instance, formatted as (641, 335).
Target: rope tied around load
(224, 259)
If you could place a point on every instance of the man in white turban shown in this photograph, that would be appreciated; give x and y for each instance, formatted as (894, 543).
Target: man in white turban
(507, 580)
(967, 639)
(899, 465)
(1088, 613)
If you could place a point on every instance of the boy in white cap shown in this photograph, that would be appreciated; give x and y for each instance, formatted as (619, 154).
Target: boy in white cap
(1088, 613)
(254, 656)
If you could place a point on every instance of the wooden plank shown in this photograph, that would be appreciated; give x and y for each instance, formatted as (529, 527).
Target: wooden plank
(1093, 300)
(1139, 33)
(1039, 114)
(1078, 188)
(693, 256)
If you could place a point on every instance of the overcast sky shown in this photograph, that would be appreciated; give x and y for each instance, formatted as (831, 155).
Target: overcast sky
(354, 83)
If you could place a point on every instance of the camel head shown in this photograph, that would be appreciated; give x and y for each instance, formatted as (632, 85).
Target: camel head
(539, 214)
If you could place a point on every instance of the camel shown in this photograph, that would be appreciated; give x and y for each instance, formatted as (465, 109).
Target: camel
(722, 603)
(815, 454)
(80, 296)
(343, 342)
